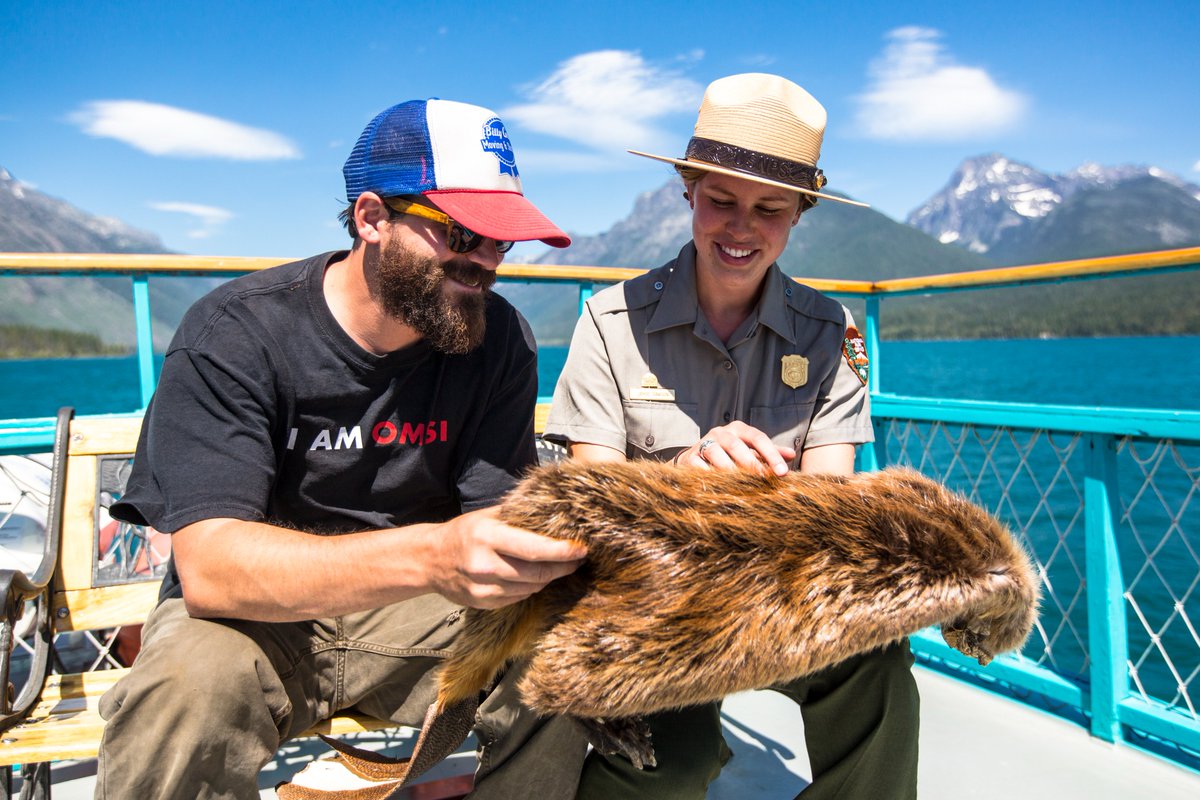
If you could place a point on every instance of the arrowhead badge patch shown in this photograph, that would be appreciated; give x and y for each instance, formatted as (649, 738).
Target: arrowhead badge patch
(855, 351)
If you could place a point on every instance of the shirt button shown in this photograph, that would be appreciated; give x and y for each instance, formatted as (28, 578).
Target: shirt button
(650, 440)
(728, 364)
(788, 292)
(728, 416)
(658, 285)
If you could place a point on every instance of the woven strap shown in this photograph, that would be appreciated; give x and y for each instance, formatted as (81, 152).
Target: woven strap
(441, 734)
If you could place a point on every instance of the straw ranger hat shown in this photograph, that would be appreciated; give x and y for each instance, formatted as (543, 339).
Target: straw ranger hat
(762, 128)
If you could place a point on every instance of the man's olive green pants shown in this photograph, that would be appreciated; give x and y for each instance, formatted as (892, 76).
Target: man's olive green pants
(861, 719)
(208, 702)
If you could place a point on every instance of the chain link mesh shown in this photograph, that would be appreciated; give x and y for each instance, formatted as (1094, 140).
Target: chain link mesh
(1033, 481)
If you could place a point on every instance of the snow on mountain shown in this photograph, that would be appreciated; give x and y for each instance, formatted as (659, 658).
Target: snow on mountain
(990, 194)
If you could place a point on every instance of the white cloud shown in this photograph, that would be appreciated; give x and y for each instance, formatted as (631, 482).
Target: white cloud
(162, 130)
(210, 217)
(919, 92)
(1196, 167)
(607, 100)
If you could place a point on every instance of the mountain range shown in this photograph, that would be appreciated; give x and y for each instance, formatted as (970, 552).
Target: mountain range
(33, 222)
(1011, 212)
(993, 211)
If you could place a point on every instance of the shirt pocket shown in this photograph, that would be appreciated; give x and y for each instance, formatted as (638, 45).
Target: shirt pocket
(652, 427)
(786, 425)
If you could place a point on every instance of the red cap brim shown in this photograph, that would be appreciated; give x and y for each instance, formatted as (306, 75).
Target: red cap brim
(506, 216)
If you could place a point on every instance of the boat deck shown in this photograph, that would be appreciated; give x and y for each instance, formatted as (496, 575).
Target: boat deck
(975, 746)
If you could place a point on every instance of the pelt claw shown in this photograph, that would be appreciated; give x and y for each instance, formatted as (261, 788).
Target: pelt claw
(627, 736)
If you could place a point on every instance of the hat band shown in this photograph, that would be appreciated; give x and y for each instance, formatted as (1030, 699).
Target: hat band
(752, 162)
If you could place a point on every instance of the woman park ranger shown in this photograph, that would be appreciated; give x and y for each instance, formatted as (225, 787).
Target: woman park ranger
(717, 360)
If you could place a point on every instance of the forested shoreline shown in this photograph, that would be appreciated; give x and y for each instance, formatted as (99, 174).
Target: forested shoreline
(25, 341)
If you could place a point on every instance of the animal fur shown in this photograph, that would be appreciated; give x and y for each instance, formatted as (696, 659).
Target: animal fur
(699, 584)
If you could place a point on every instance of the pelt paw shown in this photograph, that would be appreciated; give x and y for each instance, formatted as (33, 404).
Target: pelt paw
(627, 736)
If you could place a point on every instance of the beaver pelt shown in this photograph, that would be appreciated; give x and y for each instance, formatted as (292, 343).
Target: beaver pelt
(700, 583)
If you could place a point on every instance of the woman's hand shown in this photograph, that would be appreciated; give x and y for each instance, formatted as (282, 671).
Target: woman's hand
(737, 446)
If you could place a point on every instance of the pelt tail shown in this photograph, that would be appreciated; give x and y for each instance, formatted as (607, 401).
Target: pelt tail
(495, 638)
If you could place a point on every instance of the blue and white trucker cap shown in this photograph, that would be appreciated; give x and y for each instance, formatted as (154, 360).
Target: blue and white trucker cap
(459, 156)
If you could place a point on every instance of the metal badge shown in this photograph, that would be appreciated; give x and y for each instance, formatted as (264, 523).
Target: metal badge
(650, 390)
(795, 371)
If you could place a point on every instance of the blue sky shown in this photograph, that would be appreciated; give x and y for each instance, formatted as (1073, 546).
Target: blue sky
(222, 127)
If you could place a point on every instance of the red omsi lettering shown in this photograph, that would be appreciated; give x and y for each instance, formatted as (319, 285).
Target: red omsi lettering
(418, 433)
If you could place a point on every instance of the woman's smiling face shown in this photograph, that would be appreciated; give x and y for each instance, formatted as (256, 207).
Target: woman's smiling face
(739, 226)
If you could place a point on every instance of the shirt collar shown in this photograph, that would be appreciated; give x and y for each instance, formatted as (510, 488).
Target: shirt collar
(678, 304)
(774, 303)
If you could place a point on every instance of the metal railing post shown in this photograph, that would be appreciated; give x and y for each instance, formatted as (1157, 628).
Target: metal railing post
(145, 339)
(585, 294)
(871, 457)
(1108, 643)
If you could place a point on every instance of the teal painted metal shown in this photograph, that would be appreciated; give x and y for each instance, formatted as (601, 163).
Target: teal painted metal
(1140, 422)
(1007, 669)
(36, 434)
(19, 436)
(145, 339)
(874, 349)
(1165, 723)
(1107, 637)
(871, 456)
(586, 291)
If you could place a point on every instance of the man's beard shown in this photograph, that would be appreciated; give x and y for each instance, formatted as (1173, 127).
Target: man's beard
(410, 289)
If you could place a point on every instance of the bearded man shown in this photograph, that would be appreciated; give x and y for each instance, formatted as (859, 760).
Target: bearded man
(324, 445)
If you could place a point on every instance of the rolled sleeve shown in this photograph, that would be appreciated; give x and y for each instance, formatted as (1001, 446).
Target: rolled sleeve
(843, 411)
(587, 403)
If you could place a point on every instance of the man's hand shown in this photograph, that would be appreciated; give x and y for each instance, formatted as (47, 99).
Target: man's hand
(484, 563)
(737, 446)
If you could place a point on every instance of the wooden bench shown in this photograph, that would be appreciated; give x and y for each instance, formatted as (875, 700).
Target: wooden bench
(93, 577)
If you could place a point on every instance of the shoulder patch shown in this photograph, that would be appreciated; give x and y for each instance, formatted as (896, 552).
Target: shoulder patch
(854, 348)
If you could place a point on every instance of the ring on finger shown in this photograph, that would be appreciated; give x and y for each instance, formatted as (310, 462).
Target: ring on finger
(704, 445)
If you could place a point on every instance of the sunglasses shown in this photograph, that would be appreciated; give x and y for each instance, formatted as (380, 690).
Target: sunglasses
(458, 238)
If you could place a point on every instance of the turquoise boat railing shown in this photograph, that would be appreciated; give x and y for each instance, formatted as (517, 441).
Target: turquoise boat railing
(1117, 645)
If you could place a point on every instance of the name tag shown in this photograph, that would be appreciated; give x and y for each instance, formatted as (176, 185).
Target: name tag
(651, 390)
(647, 393)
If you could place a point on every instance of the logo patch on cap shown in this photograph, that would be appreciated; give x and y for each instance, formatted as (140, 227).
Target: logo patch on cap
(495, 141)
(855, 351)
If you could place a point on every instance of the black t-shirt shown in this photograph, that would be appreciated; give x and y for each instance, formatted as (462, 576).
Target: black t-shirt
(267, 410)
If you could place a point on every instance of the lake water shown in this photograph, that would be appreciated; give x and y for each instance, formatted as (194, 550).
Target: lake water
(1149, 372)
(1141, 372)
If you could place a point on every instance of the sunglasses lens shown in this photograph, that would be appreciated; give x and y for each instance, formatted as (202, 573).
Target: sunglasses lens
(504, 247)
(463, 240)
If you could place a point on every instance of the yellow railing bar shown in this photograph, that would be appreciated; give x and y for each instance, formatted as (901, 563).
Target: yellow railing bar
(43, 263)
(553, 272)
(616, 274)
(1052, 271)
(123, 262)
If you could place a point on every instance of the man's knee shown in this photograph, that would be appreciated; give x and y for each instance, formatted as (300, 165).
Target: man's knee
(192, 669)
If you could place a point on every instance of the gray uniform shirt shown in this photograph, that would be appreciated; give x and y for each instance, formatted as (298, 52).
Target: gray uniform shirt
(646, 375)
